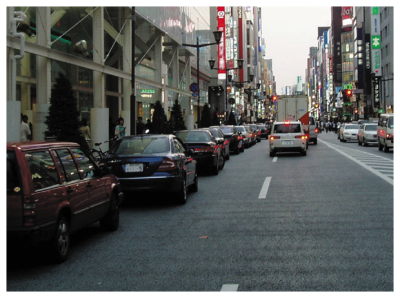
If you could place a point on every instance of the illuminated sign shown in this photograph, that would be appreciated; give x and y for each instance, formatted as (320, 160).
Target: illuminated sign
(347, 15)
(375, 42)
(221, 45)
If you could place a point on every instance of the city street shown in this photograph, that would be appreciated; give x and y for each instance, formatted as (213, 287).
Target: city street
(321, 222)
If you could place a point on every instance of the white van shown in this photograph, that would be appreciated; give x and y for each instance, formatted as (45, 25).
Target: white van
(385, 132)
(313, 133)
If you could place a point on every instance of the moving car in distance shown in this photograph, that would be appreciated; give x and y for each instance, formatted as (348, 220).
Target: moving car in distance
(367, 134)
(287, 136)
(235, 139)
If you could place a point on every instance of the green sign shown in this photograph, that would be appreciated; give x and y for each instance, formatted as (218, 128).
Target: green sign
(348, 87)
(380, 111)
(147, 91)
(376, 42)
(375, 10)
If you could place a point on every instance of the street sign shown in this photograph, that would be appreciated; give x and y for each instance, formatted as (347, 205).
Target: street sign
(194, 87)
(240, 107)
(195, 94)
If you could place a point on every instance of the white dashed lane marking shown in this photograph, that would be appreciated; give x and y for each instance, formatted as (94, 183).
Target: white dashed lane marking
(264, 189)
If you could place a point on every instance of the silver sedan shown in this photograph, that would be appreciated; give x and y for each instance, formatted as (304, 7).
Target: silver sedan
(367, 134)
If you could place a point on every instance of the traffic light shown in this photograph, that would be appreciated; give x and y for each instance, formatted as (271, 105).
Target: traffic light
(316, 106)
(349, 93)
(356, 111)
(274, 98)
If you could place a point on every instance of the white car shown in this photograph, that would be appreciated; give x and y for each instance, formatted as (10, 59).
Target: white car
(367, 134)
(287, 136)
(350, 133)
(246, 136)
(385, 132)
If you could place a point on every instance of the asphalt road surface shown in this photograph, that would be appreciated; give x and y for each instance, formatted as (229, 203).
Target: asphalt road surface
(321, 222)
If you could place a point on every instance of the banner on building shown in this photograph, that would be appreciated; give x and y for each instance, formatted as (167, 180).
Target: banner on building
(375, 42)
(221, 45)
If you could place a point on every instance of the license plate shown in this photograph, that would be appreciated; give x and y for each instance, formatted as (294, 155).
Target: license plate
(134, 167)
(287, 142)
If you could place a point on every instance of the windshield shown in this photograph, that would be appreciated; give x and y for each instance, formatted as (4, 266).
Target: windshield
(214, 132)
(240, 128)
(390, 125)
(139, 146)
(371, 127)
(352, 126)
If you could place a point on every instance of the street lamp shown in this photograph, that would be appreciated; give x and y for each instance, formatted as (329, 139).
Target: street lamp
(217, 37)
(240, 84)
(240, 65)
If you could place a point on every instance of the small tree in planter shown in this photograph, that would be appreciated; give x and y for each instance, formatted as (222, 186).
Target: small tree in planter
(176, 117)
(215, 119)
(160, 124)
(63, 119)
(205, 116)
(231, 119)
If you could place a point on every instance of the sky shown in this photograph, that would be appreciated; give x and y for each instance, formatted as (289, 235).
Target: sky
(289, 32)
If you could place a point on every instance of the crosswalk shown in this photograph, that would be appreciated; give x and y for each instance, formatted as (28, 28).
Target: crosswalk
(381, 166)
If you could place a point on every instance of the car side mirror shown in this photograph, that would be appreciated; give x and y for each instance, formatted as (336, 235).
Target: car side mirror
(220, 142)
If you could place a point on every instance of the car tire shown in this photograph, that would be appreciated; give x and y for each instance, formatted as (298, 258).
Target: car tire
(237, 150)
(385, 148)
(242, 148)
(359, 143)
(228, 156)
(223, 163)
(110, 222)
(195, 186)
(315, 141)
(380, 146)
(304, 153)
(271, 154)
(61, 240)
(182, 194)
(365, 143)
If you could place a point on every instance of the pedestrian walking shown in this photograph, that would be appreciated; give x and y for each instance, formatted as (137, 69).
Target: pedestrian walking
(147, 127)
(120, 129)
(333, 127)
(326, 127)
(25, 130)
(85, 130)
(139, 126)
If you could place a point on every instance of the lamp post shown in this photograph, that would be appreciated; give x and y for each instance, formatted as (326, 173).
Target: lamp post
(217, 37)
(240, 65)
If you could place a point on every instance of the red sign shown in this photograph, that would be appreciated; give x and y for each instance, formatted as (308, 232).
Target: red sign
(221, 45)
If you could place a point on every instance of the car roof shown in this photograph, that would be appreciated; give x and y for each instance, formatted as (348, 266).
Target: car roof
(285, 122)
(30, 145)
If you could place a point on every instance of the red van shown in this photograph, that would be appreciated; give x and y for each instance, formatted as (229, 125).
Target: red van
(54, 189)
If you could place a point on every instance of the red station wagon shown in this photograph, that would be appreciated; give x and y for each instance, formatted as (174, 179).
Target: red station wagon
(54, 189)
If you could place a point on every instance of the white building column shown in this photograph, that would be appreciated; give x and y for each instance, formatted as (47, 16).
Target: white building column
(99, 114)
(127, 67)
(13, 106)
(43, 76)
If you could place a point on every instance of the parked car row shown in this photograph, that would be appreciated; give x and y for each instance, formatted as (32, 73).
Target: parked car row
(55, 188)
(367, 133)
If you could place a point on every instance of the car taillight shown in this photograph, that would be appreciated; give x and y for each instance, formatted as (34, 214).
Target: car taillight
(167, 164)
(303, 137)
(259, 133)
(316, 130)
(389, 136)
(274, 137)
(226, 142)
(205, 149)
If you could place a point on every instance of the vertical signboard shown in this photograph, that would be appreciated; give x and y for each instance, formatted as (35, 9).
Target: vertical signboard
(240, 38)
(221, 45)
(347, 16)
(299, 85)
(376, 41)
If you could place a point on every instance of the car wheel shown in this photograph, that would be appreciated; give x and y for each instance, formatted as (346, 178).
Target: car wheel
(358, 140)
(315, 141)
(380, 147)
(61, 240)
(222, 164)
(365, 143)
(237, 150)
(271, 154)
(110, 222)
(182, 194)
(228, 156)
(304, 153)
(242, 148)
(385, 148)
(195, 186)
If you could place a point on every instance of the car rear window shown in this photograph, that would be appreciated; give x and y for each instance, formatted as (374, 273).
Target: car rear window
(351, 126)
(43, 170)
(312, 121)
(226, 129)
(13, 182)
(194, 136)
(390, 125)
(287, 128)
(241, 128)
(141, 146)
(371, 127)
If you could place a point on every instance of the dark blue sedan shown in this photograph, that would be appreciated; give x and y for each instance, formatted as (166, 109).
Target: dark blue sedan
(156, 163)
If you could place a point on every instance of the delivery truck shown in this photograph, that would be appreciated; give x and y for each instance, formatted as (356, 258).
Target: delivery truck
(293, 108)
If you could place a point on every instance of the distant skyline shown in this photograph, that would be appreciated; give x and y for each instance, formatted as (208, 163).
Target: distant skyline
(289, 32)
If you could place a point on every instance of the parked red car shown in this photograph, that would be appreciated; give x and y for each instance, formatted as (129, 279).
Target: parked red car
(54, 189)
